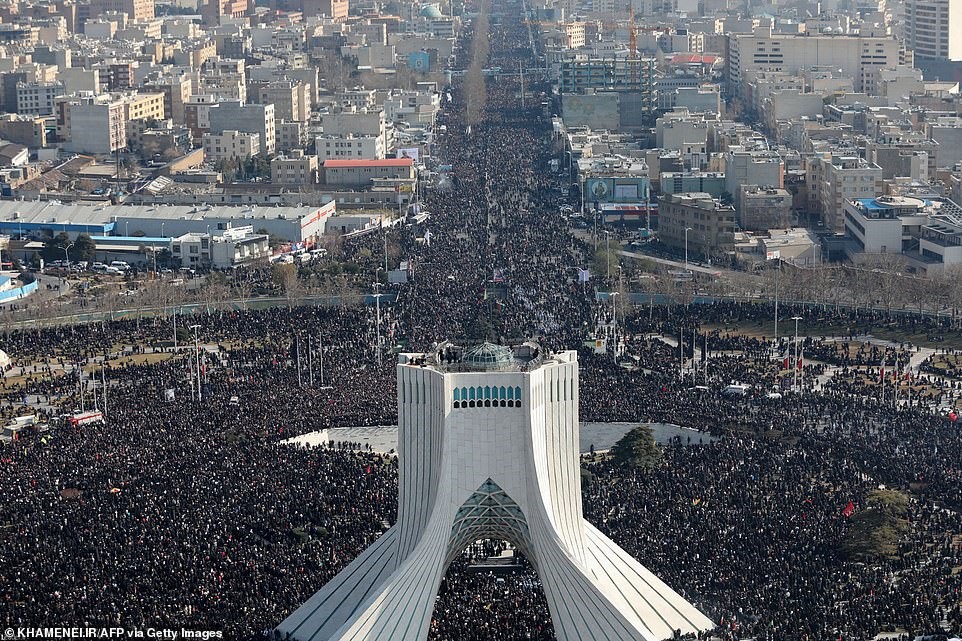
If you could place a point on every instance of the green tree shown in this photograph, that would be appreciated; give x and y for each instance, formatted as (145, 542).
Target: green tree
(53, 247)
(606, 261)
(84, 248)
(637, 449)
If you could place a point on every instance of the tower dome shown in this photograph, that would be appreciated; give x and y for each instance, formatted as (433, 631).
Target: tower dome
(488, 356)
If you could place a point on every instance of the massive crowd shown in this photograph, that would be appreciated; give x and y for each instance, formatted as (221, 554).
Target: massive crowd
(186, 513)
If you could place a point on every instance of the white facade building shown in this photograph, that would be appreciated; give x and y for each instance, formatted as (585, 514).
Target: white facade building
(38, 98)
(231, 145)
(488, 448)
(222, 249)
(858, 57)
(350, 146)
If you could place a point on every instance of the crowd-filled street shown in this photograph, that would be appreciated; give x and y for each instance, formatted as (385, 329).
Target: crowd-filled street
(188, 512)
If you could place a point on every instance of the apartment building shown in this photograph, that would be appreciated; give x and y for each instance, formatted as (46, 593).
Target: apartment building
(710, 224)
(349, 146)
(764, 208)
(843, 178)
(297, 168)
(38, 98)
(236, 116)
(291, 99)
(136, 10)
(760, 167)
(231, 145)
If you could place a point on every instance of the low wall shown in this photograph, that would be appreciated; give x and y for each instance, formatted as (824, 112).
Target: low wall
(18, 292)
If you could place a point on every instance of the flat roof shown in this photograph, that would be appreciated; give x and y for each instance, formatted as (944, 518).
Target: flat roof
(386, 162)
(56, 213)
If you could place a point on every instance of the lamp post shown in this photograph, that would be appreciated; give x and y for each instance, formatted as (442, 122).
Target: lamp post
(126, 227)
(687, 229)
(795, 363)
(377, 300)
(614, 332)
(66, 266)
(197, 357)
(608, 254)
(162, 229)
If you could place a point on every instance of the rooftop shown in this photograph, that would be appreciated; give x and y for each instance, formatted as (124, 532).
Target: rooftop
(56, 213)
(483, 356)
(386, 162)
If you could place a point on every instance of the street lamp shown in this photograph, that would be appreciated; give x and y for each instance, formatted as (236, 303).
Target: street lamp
(162, 229)
(126, 227)
(377, 300)
(608, 253)
(795, 363)
(66, 266)
(687, 229)
(197, 357)
(614, 317)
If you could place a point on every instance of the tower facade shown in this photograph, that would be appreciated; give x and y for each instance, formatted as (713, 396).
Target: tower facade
(929, 28)
(488, 447)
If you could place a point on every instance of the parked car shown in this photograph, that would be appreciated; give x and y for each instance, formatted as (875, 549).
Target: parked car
(120, 265)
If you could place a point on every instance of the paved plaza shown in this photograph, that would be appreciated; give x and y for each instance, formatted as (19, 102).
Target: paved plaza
(383, 438)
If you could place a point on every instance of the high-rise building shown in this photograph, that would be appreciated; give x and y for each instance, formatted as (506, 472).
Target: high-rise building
(929, 25)
(489, 449)
(858, 57)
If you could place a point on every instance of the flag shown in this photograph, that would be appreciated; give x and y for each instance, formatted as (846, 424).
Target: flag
(881, 374)
(785, 360)
(801, 359)
(849, 510)
(584, 275)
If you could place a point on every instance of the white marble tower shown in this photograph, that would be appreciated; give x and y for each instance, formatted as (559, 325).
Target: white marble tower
(488, 447)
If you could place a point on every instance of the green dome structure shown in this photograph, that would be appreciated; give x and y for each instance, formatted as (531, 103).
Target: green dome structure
(431, 11)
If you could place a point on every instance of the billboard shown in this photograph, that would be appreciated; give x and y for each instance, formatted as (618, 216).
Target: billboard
(634, 213)
(409, 152)
(627, 189)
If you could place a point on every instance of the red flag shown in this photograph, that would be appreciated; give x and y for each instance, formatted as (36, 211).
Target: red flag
(849, 510)
(881, 374)
(785, 360)
(801, 359)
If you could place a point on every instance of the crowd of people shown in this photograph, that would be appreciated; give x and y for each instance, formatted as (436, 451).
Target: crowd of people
(186, 508)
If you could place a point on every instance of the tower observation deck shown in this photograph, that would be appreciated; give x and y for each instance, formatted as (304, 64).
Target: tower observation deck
(488, 449)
